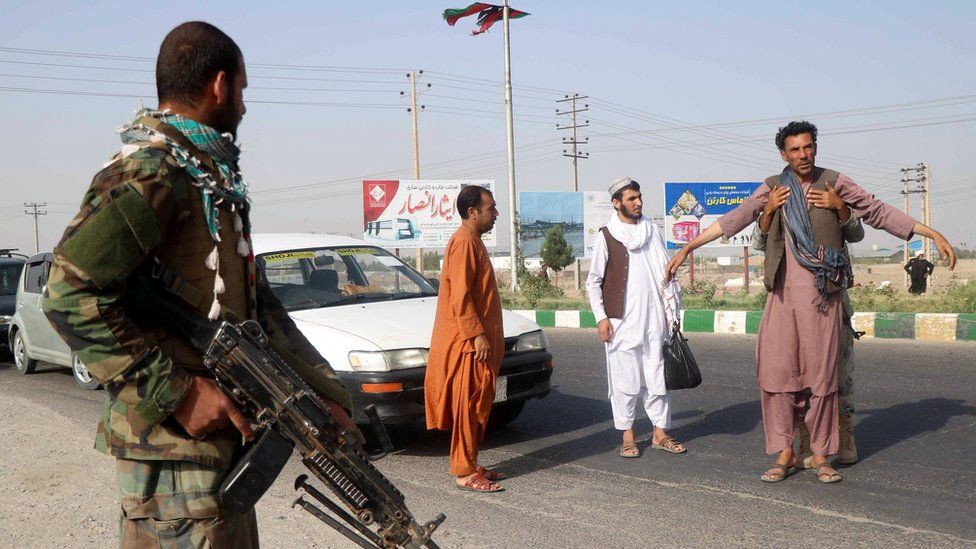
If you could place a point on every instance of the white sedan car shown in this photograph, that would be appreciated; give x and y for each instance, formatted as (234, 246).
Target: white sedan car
(371, 316)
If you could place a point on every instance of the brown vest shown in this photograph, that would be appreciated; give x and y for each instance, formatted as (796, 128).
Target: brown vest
(825, 223)
(614, 284)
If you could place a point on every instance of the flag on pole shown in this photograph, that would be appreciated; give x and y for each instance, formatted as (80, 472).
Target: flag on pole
(488, 15)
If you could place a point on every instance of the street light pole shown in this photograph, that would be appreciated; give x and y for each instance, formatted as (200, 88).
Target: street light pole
(510, 134)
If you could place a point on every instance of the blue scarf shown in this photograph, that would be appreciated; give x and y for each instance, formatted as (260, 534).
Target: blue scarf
(826, 263)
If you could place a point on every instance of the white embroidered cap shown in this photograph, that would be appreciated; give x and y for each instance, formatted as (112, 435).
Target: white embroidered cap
(618, 184)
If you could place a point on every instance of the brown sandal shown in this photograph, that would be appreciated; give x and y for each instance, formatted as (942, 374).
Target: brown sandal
(827, 469)
(491, 475)
(778, 473)
(669, 444)
(478, 483)
(629, 450)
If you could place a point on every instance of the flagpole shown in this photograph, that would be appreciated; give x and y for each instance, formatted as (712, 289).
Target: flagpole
(510, 130)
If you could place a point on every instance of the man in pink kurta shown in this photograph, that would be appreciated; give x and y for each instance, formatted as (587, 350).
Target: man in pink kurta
(799, 341)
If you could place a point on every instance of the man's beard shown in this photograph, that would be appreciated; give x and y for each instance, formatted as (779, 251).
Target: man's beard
(628, 213)
(227, 119)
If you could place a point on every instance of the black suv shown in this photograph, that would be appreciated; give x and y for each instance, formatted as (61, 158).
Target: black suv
(11, 265)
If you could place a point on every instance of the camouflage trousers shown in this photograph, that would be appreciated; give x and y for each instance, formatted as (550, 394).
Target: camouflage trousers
(174, 505)
(845, 370)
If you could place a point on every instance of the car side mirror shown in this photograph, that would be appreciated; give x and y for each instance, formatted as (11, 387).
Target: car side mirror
(435, 282)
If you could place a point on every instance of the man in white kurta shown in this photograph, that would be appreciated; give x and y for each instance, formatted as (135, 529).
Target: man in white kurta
(634, 327)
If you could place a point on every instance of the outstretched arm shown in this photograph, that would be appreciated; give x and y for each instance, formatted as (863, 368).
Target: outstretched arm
(941, 244)
(762, 200)
(711, 233)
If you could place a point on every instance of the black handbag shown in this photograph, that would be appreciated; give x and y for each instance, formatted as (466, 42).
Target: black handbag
(680, 368)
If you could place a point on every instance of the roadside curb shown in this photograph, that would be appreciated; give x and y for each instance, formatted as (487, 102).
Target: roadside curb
(921, 326)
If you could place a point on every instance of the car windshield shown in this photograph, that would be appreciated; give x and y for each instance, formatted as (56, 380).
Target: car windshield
(9, 277)
(324, 277)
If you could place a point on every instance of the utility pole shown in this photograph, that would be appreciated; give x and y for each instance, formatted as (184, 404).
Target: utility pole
(905, 180)
(510, 135)
(574, 153)
(413, 109)
(927, 185)
(35, 212)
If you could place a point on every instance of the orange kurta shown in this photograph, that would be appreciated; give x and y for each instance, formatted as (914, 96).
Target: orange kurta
(458, 390)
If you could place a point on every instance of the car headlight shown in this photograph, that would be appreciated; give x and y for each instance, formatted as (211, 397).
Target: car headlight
(5, 319)
(382, 361)
(532, 341)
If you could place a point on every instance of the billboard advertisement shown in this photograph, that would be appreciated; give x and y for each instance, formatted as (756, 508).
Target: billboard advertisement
(689, 208)
(414, 213)
(597, 209)
(541, 211)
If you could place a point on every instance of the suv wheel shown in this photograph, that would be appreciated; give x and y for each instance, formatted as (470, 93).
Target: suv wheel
(25, 364)
(83, 377)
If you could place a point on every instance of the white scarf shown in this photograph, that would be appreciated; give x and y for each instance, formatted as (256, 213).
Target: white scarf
(646, 244)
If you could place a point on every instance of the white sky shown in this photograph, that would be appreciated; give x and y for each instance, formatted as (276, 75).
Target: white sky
(732, 71)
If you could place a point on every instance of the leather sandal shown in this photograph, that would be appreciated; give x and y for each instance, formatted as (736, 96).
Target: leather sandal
(629, 450)
(669, 444)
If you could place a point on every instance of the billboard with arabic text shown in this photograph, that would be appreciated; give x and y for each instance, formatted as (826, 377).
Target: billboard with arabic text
(689, 208)
(414, 213)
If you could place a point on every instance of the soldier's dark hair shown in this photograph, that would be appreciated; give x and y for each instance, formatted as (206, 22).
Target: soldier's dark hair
(190, 57)
(470, 197)
(797, 127)
(635, 186)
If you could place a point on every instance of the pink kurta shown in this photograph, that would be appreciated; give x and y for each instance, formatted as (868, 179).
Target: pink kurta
(798, 345)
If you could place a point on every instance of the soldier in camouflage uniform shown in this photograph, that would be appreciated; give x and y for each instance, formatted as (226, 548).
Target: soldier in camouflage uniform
(853, 231)
(173, 196)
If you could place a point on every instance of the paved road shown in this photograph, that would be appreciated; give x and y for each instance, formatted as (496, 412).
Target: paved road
(915, 484)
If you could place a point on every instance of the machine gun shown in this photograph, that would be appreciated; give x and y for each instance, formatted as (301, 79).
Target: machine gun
(291, 416)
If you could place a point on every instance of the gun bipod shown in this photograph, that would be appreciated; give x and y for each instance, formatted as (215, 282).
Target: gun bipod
(371, 540)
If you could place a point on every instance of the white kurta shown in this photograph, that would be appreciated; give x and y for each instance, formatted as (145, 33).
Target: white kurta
(635, 364)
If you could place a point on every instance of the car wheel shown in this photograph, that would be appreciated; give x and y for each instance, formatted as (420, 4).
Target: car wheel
(24, 363)
(83, 377)
(504, 414)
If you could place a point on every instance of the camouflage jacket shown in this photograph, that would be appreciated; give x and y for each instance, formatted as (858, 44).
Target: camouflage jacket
(139, 208)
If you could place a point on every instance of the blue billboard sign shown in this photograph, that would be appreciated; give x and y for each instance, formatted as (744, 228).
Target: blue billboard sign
(690, 207)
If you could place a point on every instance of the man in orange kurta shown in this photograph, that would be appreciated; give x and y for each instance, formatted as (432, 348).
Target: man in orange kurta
(468, 343)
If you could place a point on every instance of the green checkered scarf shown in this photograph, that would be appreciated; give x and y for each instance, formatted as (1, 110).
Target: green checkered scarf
(219, 147)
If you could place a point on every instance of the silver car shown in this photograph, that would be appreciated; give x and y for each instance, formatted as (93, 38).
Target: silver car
(32, 338)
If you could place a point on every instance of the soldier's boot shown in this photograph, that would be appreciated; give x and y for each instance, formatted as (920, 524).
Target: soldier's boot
(804, 455)
(848, 449)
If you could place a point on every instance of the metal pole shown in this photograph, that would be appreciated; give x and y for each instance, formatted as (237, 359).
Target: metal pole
(575, 155)
(416, 151)
(576, 184)
(510, 131)
(904, 192)
(929, 244)
(34, 206)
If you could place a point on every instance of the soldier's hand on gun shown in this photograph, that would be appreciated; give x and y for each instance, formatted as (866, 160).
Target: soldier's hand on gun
(827, 199)
(605, 329)
(205, 410)
(481, 348)
(777, 197)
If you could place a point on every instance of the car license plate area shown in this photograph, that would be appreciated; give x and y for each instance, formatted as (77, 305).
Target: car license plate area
(501, 389)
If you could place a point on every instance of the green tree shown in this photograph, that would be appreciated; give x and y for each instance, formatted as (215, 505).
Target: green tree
(432, 261)
(556, 252)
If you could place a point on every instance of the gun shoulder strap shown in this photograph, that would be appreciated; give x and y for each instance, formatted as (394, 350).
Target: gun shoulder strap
(177, 285)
